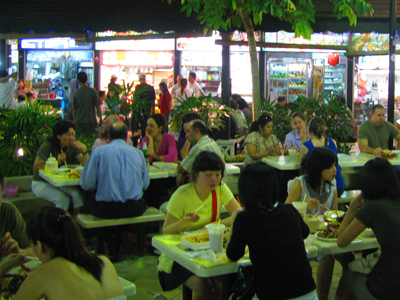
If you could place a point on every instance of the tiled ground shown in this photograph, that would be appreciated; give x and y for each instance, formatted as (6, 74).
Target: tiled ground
(143, 273)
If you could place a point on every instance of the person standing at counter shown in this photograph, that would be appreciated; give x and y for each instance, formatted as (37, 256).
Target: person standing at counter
(205, 187)
(194, 86)
(299, 135)
(7, 85)
(160, 146)
(85, 104)
(261, 142)
(64, 148)
(165, 100)
(22, 90)
(373, 134)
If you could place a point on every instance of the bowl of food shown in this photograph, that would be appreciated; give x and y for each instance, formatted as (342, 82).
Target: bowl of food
(334, 214)
(388, 154)
(196, 241)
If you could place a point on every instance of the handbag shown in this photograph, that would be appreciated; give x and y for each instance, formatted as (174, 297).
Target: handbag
(243, 288)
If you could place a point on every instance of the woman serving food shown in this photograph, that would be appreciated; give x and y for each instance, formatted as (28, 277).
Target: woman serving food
(206, 194)
(261, 142)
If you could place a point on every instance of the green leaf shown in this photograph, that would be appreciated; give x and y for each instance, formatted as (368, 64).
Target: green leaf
(233, 4)
(237, 20)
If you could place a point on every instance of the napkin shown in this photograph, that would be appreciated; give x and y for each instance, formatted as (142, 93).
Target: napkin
(210, 259)
(169, 239)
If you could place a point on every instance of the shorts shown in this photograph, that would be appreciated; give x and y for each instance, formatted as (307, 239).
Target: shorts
(177, 277)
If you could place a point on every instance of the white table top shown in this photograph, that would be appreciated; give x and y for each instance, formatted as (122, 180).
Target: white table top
(366, 156)
(60, 180)
(178, 255)
(283, 162)
(170, 167)
(128, 287)
(360, 243)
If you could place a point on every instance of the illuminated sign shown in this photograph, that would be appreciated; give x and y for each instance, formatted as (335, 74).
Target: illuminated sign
(55, 43)
(137, 58)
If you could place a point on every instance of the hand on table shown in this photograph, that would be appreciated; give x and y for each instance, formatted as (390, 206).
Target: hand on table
(192, 217)
(8, 245)
(312, 203)
(377, 151)
(61, 158)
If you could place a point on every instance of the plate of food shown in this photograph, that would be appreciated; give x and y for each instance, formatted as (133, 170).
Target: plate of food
(388, 154)
(334, 214)
(196, 242)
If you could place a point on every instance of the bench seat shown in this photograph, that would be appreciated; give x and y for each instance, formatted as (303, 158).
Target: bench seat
(89, 221)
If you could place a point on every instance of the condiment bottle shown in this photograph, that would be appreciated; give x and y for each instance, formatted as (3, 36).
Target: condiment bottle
(51, 164)
(146, 156)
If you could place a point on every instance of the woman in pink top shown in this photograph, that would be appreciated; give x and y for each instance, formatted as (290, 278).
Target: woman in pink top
(160, 146)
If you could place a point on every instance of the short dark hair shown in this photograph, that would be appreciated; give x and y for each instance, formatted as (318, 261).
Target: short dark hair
(101, 93)
(186, 118)
(242, 103)
(262, 120)
(319, 160)
(82, 77)
(3, 73)
(192, 74)
(236, 97)
(207, 161)
(375, 107)
(254, 180)
(28, 95)
(199, 124)
(379, 180)
(56, 229)
(317, 127)
(281, 99)
(159, 119)
(61, 127)
(21, 98)
(118, 131)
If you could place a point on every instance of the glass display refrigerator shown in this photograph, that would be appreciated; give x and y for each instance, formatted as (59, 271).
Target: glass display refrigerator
(289, 77)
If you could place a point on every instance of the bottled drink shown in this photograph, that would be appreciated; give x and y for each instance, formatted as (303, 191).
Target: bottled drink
(146, 156)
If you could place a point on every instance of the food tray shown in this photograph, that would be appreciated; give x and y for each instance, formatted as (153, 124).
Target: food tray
(194, 246)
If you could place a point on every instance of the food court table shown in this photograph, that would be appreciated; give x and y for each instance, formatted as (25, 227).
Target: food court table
(171, 246)
(360, 243)
(128, 287)
(62, 180)
(395, 161)
(170, 167)
(284, 164)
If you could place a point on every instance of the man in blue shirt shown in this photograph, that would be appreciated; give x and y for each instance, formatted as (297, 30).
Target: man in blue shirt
(119, 173)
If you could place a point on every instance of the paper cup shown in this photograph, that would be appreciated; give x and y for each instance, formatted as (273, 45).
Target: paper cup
(312, 222)
(216, 236)
(301, 207)
(292, 155)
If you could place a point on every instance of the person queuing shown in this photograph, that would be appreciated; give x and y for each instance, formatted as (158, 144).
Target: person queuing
(373, 135)
(281, 246)
(22, 90)
(68, 269)
(194, 86)
(318, 139)
(299, 135)
(184, 91)
(318, 188)
(261, 142)
(62, 146)
(205, 187)
(165, 100)
(377, 207)
(160, 146)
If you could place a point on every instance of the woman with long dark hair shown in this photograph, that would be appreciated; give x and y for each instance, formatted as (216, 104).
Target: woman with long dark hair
(274, 233)
(184, 91)
(68, 270)
(260, 142)
(377, 207)
(64, 148)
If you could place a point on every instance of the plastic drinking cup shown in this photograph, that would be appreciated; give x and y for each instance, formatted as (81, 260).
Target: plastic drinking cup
(301, 207)
(216, 236)
(292, 155)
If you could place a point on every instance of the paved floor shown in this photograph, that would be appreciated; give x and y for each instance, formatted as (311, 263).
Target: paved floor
(143, 273)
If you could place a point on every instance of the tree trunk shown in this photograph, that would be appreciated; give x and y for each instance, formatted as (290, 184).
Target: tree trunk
(248, 24)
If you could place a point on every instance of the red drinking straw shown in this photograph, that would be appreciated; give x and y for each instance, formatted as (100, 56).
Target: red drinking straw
(321, 209)
(237, 197)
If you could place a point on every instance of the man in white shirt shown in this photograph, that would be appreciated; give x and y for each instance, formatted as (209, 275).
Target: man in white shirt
(174, 88)
(7, 86)
(193, 85)
(197, 134)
